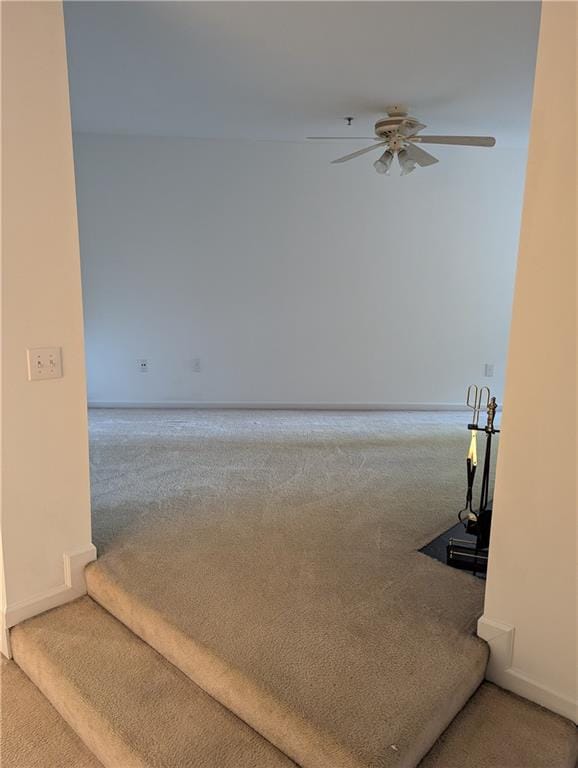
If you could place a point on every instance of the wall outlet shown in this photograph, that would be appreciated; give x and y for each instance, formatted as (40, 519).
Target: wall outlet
(143, 365)
(489, 370)
(196, 364)
(44, 363)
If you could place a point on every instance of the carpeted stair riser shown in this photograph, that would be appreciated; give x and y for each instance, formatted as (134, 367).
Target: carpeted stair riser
(225, 684)
(400, 740)
(128, 704)
(495, 729)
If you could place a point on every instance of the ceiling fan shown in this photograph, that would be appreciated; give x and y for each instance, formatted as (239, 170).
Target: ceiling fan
(400, 134)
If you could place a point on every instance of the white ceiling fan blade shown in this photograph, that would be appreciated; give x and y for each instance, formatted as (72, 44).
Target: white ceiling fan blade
(420, 156)
(466, 141)
(358, 153)
(343, 138)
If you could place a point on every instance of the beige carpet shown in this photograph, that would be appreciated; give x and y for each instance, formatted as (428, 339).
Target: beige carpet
(495, 730)
(499, 730)
(135, 709)
(128, 704)
(32, 733)
(272, 557)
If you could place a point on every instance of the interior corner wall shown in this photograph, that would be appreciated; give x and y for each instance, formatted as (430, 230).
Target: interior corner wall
(45, 500)
(530, 614)
(291, 280)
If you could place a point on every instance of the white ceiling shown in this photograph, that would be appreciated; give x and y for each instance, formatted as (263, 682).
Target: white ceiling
(286, 70)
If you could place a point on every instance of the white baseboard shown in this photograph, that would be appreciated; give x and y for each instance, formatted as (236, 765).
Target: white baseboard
(5, 648)
(500, 637)
(194, 404)
(74, 586)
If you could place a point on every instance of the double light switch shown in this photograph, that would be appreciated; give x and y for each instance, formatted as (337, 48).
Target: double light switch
(44, 363)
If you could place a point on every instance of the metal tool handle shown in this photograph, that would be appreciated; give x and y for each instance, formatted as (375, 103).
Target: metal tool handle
(472, 401)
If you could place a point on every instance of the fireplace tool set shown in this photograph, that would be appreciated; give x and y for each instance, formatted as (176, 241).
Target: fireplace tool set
(472, 555)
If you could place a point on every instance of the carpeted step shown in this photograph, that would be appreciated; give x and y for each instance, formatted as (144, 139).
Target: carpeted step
(339, 664)
(33, 733)
(128, 704)
(272, 557)
(497, 729)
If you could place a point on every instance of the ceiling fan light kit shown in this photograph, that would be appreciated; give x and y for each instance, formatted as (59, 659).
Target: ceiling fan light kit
(383, 164)
(400, 134)
(406, 163)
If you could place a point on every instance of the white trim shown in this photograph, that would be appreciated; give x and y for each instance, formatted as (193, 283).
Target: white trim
(5, 647)
(280, 406)
(517, 681)
(74, 586)
(500, 637)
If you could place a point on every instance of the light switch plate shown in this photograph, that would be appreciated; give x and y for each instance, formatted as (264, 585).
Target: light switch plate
(44, 363)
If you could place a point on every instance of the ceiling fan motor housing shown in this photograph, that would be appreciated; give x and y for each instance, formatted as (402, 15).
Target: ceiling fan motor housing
(387, 126)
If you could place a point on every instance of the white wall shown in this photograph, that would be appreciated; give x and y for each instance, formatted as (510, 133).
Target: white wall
(530, 614)
(294, 281)
(45, 512)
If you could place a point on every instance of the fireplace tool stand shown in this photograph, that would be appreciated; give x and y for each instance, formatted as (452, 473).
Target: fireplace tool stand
(460, 553)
